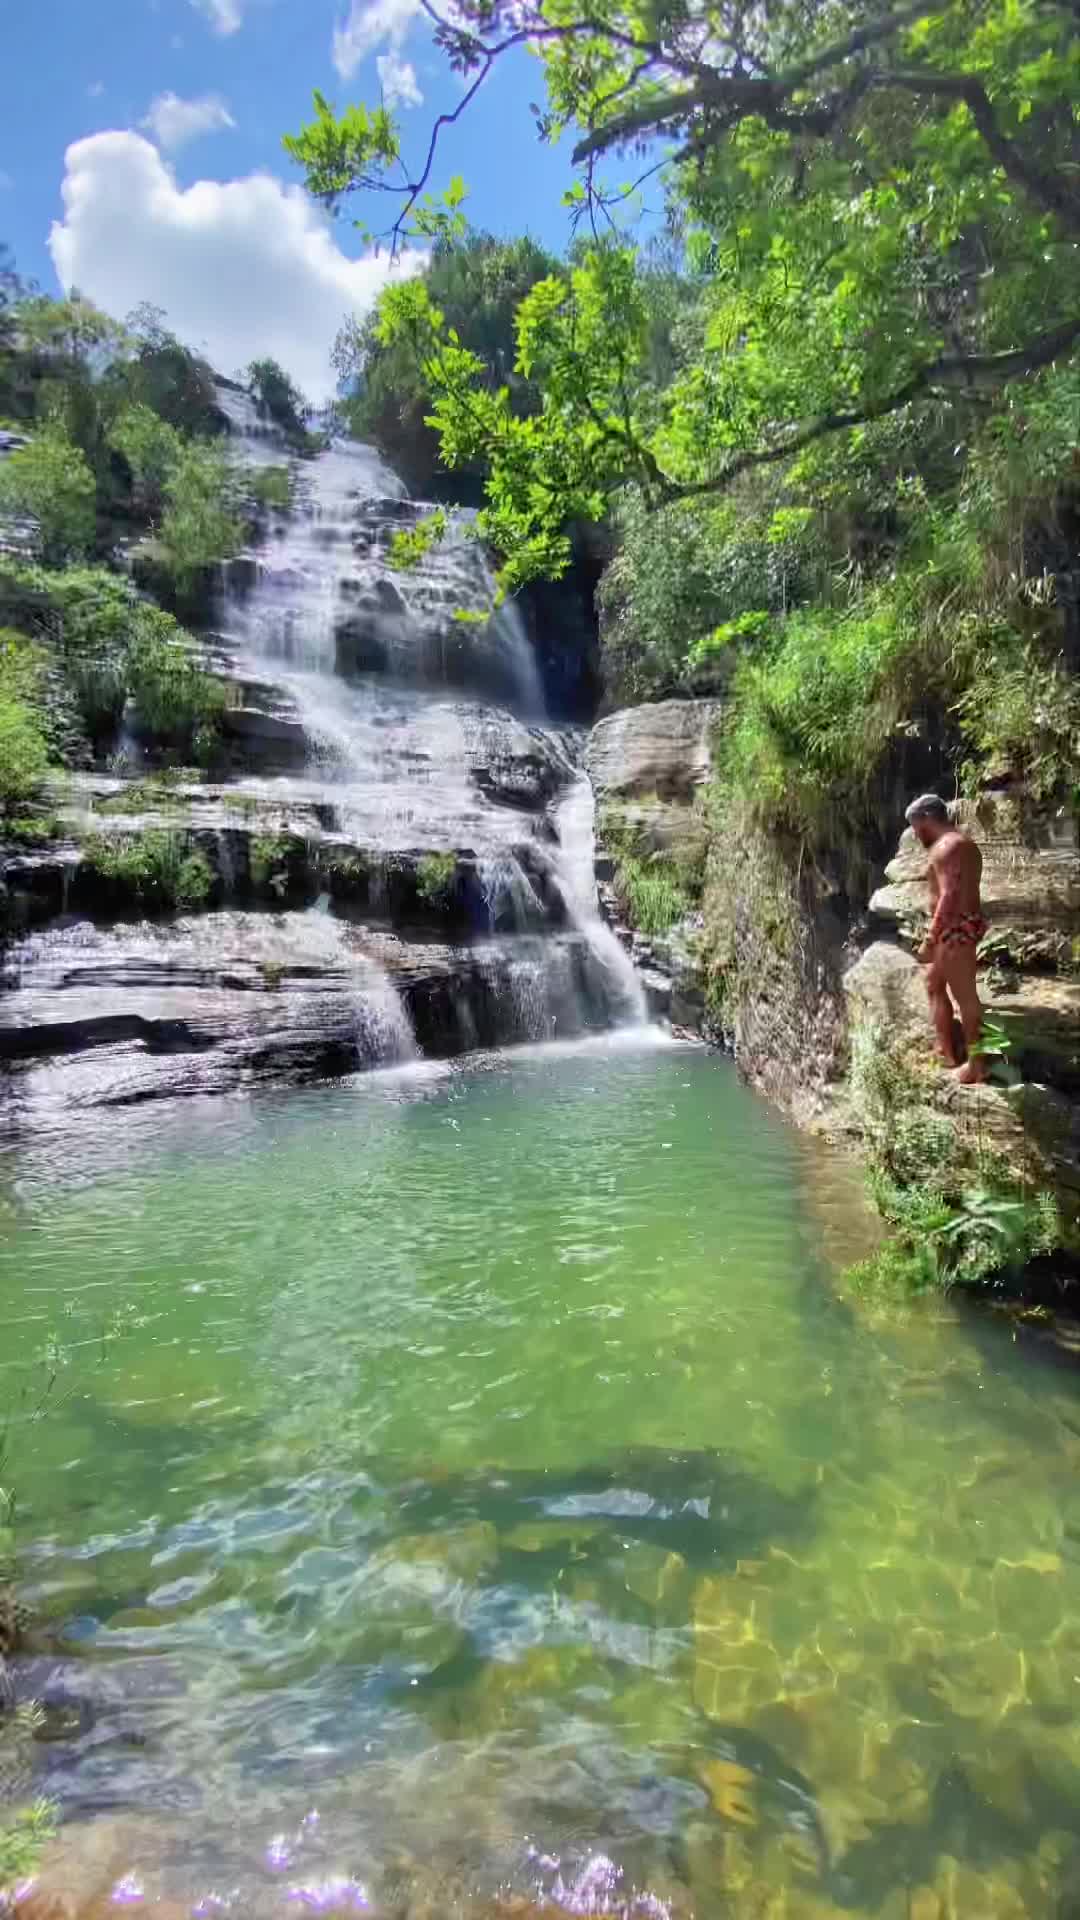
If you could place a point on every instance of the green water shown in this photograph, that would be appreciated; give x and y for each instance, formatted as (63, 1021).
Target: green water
(486, 1464)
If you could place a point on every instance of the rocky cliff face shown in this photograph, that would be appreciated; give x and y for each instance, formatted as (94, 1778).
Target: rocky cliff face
(648, 767)
(786, 959)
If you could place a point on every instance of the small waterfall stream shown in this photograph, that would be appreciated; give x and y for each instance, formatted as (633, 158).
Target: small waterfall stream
(575, 822)
(427, 734)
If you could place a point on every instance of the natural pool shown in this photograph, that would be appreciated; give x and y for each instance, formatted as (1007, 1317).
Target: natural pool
(487, 1468)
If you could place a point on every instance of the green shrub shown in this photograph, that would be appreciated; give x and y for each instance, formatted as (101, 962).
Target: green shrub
(174, 699)
(955, 1214)
(270, 487)
(202, 523)
(655, 889)
(24, 756)
(159, 792)
(436, 874)
(157, 870)
(812, 719)
(680, 576)
(651, 893)
(268, 863)
(342, 872)
(111, 645)
(50, 483)
(83, 616)
(24, 1832)
(167, 377)
(151, 448)
(1020, 714)
(277, 398)
(24, 752)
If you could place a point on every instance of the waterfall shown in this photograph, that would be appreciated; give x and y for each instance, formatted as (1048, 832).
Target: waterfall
(384, 1035)
(426, 737)
(575, 823)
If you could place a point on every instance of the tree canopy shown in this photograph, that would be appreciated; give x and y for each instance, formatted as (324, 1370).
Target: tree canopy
(880, 211)
(477, 283)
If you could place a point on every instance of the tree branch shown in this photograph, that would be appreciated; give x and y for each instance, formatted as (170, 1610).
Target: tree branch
(734, 98)
(948, 370)
(1047, 189)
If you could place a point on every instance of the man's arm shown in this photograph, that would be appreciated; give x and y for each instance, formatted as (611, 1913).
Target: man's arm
(941, 875)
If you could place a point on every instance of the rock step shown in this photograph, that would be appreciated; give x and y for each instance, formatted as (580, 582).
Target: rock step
(279, 844)
(98, 1017)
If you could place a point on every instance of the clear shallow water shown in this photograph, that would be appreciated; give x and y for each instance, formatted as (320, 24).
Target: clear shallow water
(486, 1467)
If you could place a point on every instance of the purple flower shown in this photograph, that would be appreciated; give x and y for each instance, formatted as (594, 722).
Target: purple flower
(324, 1895)
(128, 1891)
(279, 1854)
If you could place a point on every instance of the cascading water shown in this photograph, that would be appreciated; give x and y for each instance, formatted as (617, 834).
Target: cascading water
(425, 731)
(575, 823)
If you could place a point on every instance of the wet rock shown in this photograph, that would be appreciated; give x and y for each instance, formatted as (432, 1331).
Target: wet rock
(542, 1536)
(100, 1017)
(1036, 1126)
(540, 1679)
(1043, 1015)
(647, 765)
(268, 741)
(359, 647)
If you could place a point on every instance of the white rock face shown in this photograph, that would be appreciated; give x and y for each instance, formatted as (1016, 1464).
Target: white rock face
(660, 750)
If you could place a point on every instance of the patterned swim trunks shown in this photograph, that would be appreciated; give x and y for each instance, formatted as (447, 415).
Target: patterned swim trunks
(966, 931)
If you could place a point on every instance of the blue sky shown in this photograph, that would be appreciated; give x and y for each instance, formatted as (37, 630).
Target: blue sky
(138, 130)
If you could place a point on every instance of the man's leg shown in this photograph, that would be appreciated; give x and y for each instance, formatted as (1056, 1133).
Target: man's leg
(941, 1010)
(959, 964)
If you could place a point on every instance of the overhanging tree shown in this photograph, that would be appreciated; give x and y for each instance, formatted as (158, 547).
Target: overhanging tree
(881, 207)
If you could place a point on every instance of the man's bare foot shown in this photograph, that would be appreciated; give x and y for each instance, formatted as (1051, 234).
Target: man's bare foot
(971, 1074)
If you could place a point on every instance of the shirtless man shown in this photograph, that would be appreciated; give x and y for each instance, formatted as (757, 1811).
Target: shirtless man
(957, 926)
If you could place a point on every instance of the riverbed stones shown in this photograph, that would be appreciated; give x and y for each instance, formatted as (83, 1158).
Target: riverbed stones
(655, 1576)
(736, 1671)
(540, 1680)
(436, 1563)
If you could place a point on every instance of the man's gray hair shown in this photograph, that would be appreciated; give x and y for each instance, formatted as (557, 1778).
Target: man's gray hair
(928, 806)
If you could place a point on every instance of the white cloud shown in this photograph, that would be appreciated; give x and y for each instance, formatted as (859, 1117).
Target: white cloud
(243, 268)
(370, 23)
(225, 16)
(95, 89)
(6, 182)
(173, 122)
(397, 78)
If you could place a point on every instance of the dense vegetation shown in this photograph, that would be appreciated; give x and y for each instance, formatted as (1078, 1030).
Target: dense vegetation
(858, 475)
(116, 492)
(835, 437)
